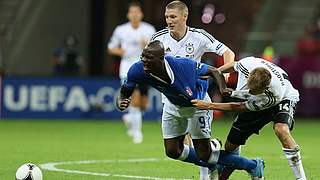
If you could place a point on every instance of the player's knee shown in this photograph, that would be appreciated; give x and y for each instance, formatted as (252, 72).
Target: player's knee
(173, 153)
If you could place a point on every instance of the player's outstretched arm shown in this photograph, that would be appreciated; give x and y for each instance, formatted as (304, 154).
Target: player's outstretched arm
(231, 106)
(123, 100)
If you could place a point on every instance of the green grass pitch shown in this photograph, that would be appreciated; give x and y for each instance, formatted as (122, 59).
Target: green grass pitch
(118, 158)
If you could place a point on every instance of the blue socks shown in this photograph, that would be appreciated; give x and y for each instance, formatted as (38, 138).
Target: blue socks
(225, 158)
(236, 161)
(193, 158)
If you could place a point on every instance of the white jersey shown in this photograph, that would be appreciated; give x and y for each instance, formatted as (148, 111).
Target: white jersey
(280, 87)
(193, 45)
(132, 41)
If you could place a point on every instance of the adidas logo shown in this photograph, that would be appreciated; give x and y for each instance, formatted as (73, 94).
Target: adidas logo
(168, 50)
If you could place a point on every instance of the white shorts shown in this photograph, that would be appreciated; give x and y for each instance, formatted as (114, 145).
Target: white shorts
(177, 121)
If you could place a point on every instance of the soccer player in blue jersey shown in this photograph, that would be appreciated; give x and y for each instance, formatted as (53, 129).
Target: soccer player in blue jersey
(181, 80)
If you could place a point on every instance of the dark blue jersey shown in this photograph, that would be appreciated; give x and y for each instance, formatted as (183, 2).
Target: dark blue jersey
(185, 80)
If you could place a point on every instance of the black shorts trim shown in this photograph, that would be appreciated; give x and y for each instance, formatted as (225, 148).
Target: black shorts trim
(249, 123)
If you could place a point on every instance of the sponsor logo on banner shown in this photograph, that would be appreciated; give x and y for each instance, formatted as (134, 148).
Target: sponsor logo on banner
(66, 98)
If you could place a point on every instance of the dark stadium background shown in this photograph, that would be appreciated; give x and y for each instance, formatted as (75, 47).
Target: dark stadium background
(31, 31)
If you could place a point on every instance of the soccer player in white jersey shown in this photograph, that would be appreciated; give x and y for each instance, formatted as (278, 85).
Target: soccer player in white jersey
(268, 96)
(180, 40)
(127, 41)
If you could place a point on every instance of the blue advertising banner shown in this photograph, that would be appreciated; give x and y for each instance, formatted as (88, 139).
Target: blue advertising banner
(75, 98)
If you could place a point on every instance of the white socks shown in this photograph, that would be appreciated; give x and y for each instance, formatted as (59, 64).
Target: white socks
(294, 158)
(204, 173)
(135, 117)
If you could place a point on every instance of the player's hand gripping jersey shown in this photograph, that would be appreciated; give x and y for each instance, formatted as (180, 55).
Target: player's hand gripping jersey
(280, 86)
(186, 83)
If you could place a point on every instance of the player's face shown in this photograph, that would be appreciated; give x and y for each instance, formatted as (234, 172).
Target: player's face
(176, 20)
(151, 59)
(135, 14)
(254, 90)
(148, 60)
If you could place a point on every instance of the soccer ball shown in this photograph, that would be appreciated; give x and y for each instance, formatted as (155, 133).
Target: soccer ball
(28, 171)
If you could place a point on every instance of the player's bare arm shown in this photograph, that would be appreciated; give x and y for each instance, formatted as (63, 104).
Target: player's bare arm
(116, 51)
(231, 106)
(228, 56)
(227, 68)
(123, 100)
(216, 74)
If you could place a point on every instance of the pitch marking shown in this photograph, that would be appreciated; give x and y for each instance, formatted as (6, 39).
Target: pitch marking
(51, 166)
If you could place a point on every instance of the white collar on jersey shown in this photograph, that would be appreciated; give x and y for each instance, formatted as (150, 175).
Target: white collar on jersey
(169, 70)
(183, 39)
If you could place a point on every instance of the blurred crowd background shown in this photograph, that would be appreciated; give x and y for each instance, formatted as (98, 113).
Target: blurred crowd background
(50, 38)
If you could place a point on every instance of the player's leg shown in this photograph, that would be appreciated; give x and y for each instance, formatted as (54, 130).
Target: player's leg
(204, 171)
(174, 128)
(255, 167)
(283, 124)
(135, 117)
(209, 155)
(243, 127)
(127, 117)
(139, 104)
(205, 124)
(206, 154)
(225, 172)
(204, 121)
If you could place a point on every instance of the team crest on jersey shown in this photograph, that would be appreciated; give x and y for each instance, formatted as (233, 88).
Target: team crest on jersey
(189, 91)
(189, 48)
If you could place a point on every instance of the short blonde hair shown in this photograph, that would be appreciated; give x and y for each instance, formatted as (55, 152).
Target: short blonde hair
(259, 79)
(181, 6)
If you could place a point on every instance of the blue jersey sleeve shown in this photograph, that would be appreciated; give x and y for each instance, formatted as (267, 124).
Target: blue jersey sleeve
(134, 76)
(202, 68)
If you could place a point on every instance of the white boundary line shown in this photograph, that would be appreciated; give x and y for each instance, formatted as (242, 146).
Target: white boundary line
(51, 166)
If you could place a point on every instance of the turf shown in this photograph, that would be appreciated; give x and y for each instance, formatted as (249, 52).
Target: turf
(61, 140)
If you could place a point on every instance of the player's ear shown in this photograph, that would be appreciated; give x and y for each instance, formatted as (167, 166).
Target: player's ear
(185, 15)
